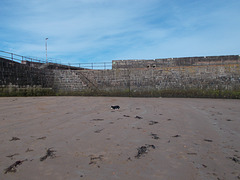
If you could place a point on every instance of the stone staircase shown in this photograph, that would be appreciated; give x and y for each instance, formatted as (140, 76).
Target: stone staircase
(90, 83)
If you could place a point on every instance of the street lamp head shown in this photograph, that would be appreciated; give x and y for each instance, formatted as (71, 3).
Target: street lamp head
(46, 38)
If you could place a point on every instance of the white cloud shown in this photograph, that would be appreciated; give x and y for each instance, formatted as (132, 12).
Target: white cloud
(107, 29)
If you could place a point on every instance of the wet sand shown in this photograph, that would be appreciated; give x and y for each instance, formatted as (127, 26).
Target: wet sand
(179, 138)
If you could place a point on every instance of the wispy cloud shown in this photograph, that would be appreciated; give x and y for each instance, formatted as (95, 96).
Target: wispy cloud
(102, 30)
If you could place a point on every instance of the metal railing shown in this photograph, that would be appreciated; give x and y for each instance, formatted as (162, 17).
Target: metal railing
(20, 59)
(123, 64)
(96, 66)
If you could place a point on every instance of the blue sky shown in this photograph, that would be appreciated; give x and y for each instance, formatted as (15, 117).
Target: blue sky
(105, 30)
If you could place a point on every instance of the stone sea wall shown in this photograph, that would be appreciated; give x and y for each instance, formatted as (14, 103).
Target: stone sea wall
(22, 79)
(204, 78)
(213, 76)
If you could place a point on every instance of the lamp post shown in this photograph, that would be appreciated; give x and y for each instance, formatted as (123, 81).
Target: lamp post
(46, 49)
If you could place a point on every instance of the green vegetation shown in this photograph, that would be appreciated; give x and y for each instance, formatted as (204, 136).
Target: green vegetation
(181, 93)
(26, 92)
(190, 93)
(123, 93)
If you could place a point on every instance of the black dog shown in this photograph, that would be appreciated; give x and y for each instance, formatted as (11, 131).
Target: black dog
(115, 107)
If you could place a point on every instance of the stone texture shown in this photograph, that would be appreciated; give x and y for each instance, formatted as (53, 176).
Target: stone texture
(22, 75)
(203, 73)
(216, 77)
(172, 62)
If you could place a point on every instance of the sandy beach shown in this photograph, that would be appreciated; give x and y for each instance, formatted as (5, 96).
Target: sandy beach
(147, 138)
